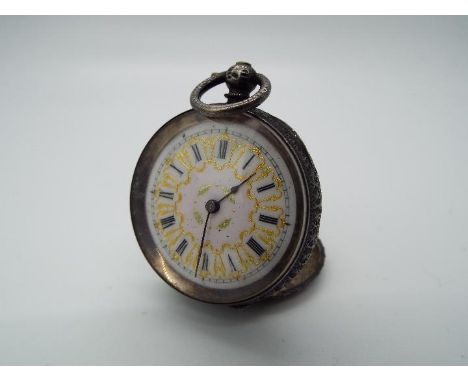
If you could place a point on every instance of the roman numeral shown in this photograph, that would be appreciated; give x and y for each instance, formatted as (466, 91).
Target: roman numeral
(268, 219)
(222, 149)
(233, 267)
(267, 187)
(178, 170)
(205, 262)
(167, 195)
(196, 152)
(181, 247)
(248, 162)
(167, 221)
(255, 246)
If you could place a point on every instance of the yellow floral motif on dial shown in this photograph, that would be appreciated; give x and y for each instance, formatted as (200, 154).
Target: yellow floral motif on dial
(222, 153)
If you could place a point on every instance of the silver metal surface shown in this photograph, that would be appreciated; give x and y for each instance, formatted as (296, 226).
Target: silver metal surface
(241, 80)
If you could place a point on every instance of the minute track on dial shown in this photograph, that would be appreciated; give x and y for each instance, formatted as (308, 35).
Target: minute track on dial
(208, 144)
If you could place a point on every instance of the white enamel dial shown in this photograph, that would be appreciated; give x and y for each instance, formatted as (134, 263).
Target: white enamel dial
(249, 233)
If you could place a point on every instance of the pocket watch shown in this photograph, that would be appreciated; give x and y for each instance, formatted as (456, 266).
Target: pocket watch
(225, 199)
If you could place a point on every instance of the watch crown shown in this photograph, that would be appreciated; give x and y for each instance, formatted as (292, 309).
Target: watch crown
(241, 79)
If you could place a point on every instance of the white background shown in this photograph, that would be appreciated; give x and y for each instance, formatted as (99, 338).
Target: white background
(381, 105)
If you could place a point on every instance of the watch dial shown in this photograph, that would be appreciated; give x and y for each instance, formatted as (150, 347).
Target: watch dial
(241, 168)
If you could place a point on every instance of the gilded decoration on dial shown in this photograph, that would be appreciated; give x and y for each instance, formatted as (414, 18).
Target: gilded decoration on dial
(248, 229)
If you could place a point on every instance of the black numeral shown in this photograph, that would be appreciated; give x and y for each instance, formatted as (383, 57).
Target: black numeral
(232, 264)
(267, 187)
(255, 246)
(222, 149)
(178, 170)
(167, 195)
(196, 152)
(167, 222)
(205, 262)
(248, 162)
(181, 247)
(268, 219)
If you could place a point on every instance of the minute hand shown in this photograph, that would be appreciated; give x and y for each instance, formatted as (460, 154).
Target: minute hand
(234, 189)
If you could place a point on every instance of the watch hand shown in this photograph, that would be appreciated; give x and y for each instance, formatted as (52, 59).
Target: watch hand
(212, 206)
(234, 189)
(201, 243)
